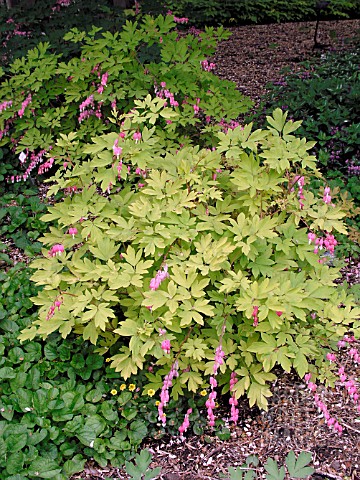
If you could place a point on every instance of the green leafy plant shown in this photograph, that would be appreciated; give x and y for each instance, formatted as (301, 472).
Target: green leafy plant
(296, 467)
(138, 469)
(211, 248)
(325, 94)
(246, 471)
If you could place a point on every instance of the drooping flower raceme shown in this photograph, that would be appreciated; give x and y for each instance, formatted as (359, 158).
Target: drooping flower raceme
(164, 395)
(160, 276)
(234, 417)
(46, 166)
(330, 421)
(185, 425)
(57, 304)
(210, 402)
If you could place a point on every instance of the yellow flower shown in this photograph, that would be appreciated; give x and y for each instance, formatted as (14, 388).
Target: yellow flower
(151, 392)
(122, 386)
(157, 403)
(113, 391)
(108, 359)
(216, 405)
(203, 393)
(132, 387)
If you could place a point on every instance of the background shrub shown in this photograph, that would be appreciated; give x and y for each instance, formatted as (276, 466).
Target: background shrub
(228, 12)
(21, 29)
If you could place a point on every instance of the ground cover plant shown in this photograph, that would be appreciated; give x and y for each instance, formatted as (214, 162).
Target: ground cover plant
(20, 214)
(325, 94)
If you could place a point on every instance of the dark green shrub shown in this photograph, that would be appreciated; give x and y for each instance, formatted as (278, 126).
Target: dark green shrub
(21, 29)
(205, 12)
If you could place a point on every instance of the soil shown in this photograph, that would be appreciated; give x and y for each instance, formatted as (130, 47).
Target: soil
(252, 57)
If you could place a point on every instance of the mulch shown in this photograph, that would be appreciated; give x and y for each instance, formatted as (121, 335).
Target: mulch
(255, 55)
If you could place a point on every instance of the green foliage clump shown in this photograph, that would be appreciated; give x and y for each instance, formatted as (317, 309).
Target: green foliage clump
(297, 467)
(227, 12)
(224, 231)
(44, 99)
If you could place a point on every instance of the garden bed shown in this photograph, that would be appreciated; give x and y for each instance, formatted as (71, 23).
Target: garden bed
(252, 57)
